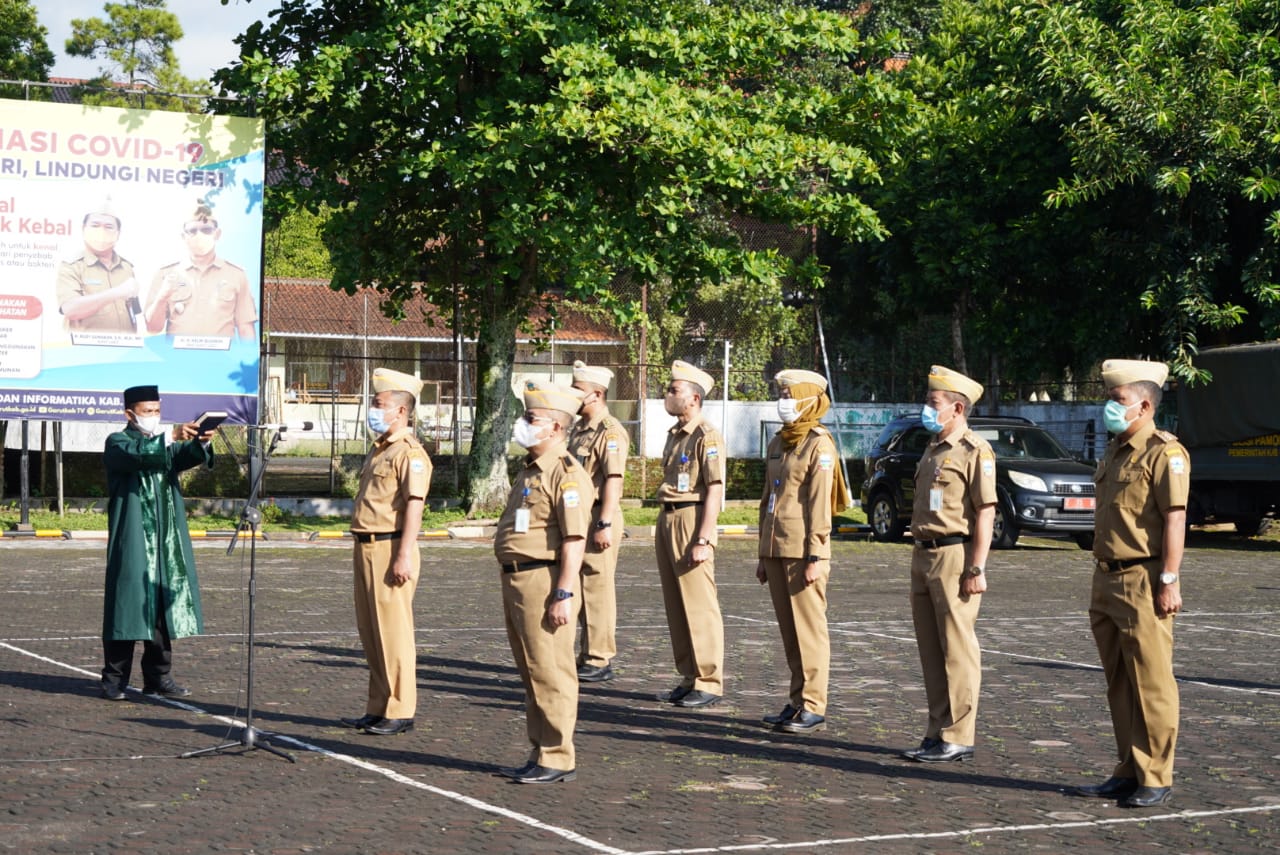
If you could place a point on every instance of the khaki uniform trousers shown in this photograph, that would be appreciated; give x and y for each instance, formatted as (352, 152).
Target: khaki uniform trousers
(599, 613)
(384, 617)
(949, 654)
(692, 605)
(802, 618)
(544, 658)
(1136, 649)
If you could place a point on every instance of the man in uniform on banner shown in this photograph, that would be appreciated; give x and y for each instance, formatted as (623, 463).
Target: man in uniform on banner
(690, 496)
(152, 594)
(385, 521)
(96, 289)
(600, 444)
(539, 545)
(206, 295)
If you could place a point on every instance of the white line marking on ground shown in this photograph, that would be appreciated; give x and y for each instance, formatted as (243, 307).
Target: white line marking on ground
(967, 832)
(390, 774)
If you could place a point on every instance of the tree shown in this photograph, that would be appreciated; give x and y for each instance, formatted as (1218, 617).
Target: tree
(24, 51)
(518, 146)
(135, 42)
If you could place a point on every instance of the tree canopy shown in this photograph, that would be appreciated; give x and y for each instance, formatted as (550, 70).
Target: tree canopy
(24, 49)
(525, 147)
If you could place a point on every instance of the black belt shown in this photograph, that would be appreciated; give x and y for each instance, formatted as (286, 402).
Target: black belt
(942, 541)
(518, 566)
(369, 537)
(679, 506)
(1117, 566)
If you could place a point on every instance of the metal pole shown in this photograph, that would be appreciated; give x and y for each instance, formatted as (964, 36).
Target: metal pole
(57, 458)
(24, 480)
(826, 369)
(724, 418)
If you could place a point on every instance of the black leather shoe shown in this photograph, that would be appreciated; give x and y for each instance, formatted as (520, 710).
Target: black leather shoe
(675, 694)
(595, 673)
(518, 771)
(787, 712)
(945, 752)
(804, 722)
(1147, 797)
(1112, 788)
(362, 722)
(166, 689)
(698, 698)
(926, 744)
(390, 726)
(543, 775)
(112, 692)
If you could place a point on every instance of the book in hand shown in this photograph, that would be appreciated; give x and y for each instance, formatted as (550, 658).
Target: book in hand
(209, 420)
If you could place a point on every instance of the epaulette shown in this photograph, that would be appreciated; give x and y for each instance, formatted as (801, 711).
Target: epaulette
(570, 461)
(1166, 436)
(232, 264)
(820, 430)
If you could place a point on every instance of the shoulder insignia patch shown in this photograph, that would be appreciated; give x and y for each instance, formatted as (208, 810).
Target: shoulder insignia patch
(713, 452)
(1177, 461)
(569, 492)
(417, 465)
(825, 462)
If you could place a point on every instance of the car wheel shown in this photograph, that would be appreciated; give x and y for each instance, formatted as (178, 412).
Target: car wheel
(1084, 540)
(1004, 532)
(1253, 527)
(885, 525)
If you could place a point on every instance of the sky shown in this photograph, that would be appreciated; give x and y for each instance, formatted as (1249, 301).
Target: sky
(208, 29)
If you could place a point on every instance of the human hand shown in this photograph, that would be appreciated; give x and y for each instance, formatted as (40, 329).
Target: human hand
(761, 576)
(558, 612)
(602, 539)
(1168, 600)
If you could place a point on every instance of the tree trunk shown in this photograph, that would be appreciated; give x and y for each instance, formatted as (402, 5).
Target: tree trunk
(957, 335)
(496, 408)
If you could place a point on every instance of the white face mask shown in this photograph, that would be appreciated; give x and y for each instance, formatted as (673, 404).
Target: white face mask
(526, 435)
(147, 424)
(789, 409)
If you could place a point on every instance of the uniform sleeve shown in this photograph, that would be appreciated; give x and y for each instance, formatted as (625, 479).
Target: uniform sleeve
(246, 312)
(982, 487)
(69, 284)
(572, 495)
(712, 463)
(816, 499)
(1171, 477)
(415, 474)
(132, 452)
(613, 451)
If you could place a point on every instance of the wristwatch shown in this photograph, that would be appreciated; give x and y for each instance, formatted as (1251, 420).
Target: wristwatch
(813, 559)
(603, 524)
(974, 571)
(561, 594)
(1168, 578)
(701, 541)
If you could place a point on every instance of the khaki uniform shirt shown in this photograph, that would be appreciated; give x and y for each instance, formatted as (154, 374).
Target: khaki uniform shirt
(213, 301)
(396, 471)
(697, 450)
(795, 510)
(601, 447)
(1137, 481)
(558, 494)
(86, 274)
(954, 479)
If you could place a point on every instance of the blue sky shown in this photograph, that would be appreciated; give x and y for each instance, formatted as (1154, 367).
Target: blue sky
(208, 28)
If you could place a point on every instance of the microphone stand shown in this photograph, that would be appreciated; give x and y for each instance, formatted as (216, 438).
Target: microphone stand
(250, 518)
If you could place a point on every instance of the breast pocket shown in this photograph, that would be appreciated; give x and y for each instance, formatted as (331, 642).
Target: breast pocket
(1131, 489)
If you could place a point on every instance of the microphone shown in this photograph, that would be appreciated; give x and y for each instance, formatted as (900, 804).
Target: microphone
(285, 427)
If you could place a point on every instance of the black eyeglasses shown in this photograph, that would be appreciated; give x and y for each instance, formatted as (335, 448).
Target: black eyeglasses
(533, 420)
(202, 230)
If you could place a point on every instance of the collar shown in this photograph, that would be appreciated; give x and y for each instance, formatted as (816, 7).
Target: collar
(393, 437)
(90, 258)
(688, 426)
(1141, 435)
(546, 459)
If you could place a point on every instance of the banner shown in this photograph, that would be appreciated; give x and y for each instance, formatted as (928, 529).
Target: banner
(130, 254)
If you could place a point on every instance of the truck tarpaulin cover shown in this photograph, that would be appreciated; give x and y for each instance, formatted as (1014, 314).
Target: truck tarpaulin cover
(1242, 400)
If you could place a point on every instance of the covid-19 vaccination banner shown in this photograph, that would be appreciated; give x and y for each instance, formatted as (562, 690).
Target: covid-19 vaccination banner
(130, 254)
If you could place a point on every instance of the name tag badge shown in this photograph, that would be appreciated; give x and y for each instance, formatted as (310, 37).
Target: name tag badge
(773, 500)
(522, 520)
(935, 499)
(682, 482)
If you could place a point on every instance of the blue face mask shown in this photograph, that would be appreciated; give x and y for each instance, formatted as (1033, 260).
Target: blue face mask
(1113, 416)
(929, 418)
(377, 421)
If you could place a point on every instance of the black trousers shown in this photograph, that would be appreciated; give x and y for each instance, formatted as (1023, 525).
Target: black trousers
(157, 659)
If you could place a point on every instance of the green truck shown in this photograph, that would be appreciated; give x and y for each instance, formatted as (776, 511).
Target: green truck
(1231, 427)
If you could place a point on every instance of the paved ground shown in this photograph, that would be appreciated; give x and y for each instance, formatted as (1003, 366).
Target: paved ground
(79, 774)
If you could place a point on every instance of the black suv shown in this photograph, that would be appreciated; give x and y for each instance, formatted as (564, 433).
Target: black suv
(1041, 487)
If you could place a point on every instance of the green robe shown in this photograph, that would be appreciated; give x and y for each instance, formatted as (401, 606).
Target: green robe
(149, 561)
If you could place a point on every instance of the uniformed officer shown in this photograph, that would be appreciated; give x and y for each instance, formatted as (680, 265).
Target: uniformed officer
(951, 522)
(205, 295)
(385, 521)
(804, 486)
(600, 444)
(539, 544)
(1139, 528)
(690, 496)
(95, 286)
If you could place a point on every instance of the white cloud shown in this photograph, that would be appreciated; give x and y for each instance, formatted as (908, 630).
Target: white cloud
(208, 30)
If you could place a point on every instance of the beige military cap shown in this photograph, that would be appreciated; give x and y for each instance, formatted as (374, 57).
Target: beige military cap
(796, 376)
(584, 373)
(106, 207)
(1122, 372)
(386, 380)
(681, 370)
(539, 395)
(946, 380)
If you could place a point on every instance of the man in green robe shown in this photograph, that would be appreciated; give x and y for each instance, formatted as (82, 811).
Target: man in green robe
(152, 594)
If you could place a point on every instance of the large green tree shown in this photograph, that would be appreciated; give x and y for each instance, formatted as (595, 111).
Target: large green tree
(517, 146)
(24, 49)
